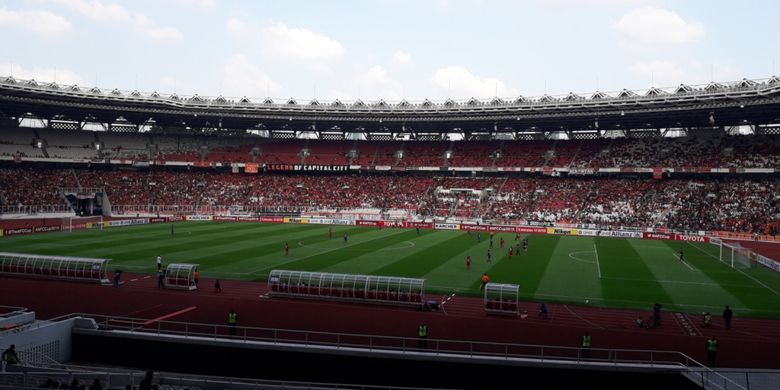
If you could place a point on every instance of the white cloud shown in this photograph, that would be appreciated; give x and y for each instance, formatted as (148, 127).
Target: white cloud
(661, 73)
(61, 76)
(665, 73)
(656, 26)
(379, 84)
(236, 26)
(196, 3)
(280, 41)
(39, 22)
(243, 78)
(402, 58)
(461, 83)
(143, 25)
(300, 43)
(374, 76)
(97, 10)
(109, 12)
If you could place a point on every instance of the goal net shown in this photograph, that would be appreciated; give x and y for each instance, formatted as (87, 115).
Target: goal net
(79, 223)
(734, 254)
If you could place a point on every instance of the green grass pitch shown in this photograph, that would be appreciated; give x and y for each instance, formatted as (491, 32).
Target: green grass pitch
(608, 272)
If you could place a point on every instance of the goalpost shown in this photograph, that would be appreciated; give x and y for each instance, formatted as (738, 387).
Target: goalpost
(70, 224)
(734, 254)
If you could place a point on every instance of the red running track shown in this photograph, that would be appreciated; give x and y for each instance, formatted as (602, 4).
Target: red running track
(751, 342)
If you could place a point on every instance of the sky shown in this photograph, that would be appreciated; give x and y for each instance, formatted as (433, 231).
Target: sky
(387, 49)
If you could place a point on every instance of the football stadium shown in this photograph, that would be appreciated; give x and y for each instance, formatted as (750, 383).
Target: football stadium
(608, 239)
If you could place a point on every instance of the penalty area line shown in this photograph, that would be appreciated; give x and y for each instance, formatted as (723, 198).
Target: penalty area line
(598, 267)
(736, 269)
(683, 261)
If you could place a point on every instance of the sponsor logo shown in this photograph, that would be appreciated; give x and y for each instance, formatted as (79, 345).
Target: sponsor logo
(223, 218)
(657, 236)
(367, 223)
(685, 237)
(157, 220)
(13, 232)
(502, 228)
(530, 229)
(44, 229)
(125, 222)
(293, 167)
(272, 219)
(588, 232)
(475, 228)
(621, 234)
(320, 221)
(421, 225)
(445, 226)
(199, 218)
(769, 263)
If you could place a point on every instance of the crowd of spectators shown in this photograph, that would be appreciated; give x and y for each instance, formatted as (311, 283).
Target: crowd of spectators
(737, 204)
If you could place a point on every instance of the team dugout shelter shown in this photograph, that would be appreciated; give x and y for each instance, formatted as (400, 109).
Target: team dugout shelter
(81, 269)
(502, 299)
(181, 276)
(388, 290)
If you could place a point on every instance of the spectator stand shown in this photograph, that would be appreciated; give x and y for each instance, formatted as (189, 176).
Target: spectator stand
(502, 299)
(81, 269)
(387, 290)
(181, 276)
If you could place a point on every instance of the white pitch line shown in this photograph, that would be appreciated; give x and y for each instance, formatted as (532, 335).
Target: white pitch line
(583, 319)
(598, 267)
(737, 269)
(683, 261)
(674, 282)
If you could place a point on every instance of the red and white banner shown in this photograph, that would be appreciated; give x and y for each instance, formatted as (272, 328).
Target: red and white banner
(421, 225)
(530, 229)
(691, 238)
(251, 167)
(658, 173)
(473, 228)
(657, 236)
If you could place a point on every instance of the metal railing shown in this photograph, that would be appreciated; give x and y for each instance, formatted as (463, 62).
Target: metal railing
(36, 209)
(603, 357)
(463, 348)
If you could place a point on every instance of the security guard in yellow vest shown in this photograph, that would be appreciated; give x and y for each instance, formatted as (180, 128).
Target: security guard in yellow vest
(232, 321)
(423, 336)
(712, 349)
(586, 345)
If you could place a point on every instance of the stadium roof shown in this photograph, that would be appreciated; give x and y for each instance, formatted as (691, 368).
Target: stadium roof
(713, 105)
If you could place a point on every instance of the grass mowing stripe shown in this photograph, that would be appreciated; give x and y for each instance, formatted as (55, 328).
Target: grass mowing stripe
(533, 263)
(729, 278)
(571, 271)
(149, 235)
(620, 260)
(213, 243)
(422, 262)
(248, 252)
(320, 261)
(154, 245)
(76, 237)
(370, 262)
